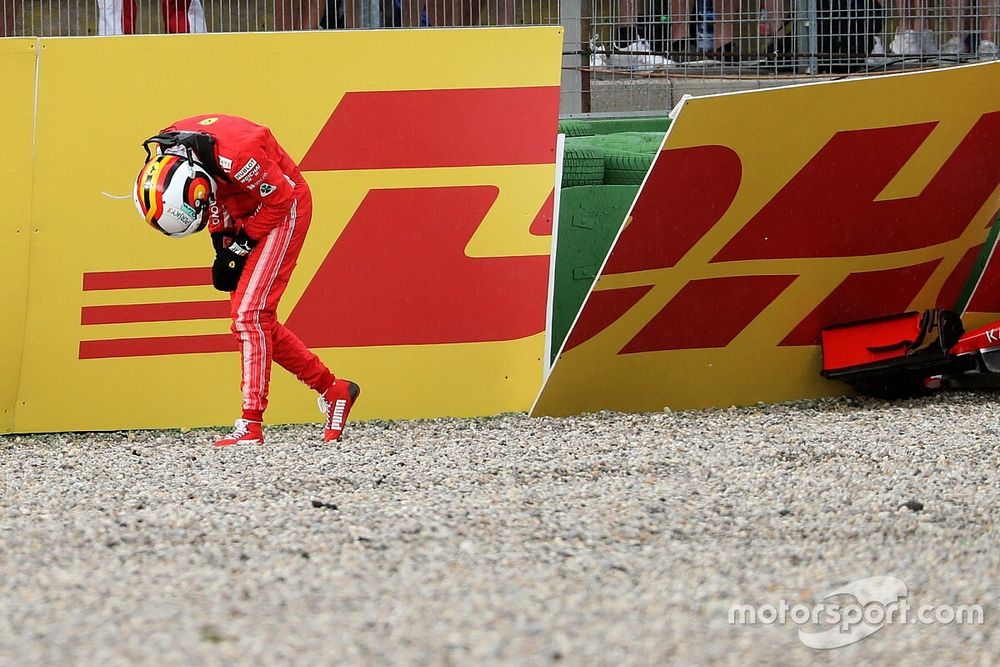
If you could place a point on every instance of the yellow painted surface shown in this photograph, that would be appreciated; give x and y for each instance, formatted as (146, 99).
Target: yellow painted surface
(17, 72)
(99, 98)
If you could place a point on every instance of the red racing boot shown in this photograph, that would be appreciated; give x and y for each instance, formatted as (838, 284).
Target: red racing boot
(336, 403)
(245, 432)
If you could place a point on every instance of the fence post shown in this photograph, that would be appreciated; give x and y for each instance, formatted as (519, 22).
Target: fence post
(807, 32)
(574, 58)
(370, 12)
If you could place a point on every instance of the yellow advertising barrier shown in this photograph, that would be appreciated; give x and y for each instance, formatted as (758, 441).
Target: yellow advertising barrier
(771, 214)
(424, 274)
(17, 71)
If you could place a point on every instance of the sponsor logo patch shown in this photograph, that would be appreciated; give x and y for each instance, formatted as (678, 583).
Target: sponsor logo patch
(179, 213)
(225, 163)
(248, 171)
(266, 189)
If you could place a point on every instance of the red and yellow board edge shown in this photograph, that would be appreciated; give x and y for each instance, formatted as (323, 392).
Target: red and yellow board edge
(18, 61)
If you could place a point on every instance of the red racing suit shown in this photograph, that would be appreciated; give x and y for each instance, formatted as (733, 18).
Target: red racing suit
(268, 199)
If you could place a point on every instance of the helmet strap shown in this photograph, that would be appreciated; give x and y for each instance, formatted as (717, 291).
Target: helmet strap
(195, 145)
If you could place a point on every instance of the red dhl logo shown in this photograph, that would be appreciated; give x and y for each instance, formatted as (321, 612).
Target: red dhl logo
(422, 284)
(690, 190)
(398, 274)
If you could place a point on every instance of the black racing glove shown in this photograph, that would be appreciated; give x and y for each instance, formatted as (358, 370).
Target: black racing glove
(230, 257)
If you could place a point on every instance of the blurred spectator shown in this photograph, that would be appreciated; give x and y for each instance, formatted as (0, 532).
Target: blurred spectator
(7, 18)
(847, 30)
(771, 23)
(725, 15)
(673, 27)
(709, 22)
(630, 47)
(397, 15)
(626, 28)
(440, 13)
(913, 36)
(117, 17)
(307, 14)
(964, 29)
(500, 12)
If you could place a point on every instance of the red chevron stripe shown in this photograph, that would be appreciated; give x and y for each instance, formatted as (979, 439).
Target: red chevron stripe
(187, 277)
(155, 312)
(406, 129)
(159, 345)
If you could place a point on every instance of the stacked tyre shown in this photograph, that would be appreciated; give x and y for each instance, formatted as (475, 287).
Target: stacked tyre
(582, 164)
(623, 158)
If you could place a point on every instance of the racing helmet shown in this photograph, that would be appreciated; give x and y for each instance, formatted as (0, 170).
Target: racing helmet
(173, 193)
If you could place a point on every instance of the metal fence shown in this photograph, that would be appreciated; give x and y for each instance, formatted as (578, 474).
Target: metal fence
(620, 55)
(646, 55)
(45, 18)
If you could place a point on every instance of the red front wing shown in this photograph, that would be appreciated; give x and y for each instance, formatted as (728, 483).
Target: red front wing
(911, 353)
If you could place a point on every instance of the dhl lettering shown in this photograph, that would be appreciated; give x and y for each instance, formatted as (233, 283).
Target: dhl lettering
(155, 312)
(182, 277)
(851, 300)
(604, 307)
(542, 224)
(695, 186)
(708, 313)
(404, 249)
(412, 284)
(156, 346)
(835, 191)
(458, 128)
(152, 312)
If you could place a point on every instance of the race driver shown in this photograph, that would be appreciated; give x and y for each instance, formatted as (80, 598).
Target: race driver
(258, 224)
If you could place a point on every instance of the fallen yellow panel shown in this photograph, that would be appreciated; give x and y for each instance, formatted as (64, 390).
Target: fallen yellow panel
(768, 215)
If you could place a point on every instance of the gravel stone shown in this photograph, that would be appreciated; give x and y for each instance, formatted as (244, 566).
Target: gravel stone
(602, 539)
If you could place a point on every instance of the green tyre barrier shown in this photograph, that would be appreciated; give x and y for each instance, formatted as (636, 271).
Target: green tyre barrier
(626, 168)
(627, 142)
(582, 166)
(619, 125)
(575, 128)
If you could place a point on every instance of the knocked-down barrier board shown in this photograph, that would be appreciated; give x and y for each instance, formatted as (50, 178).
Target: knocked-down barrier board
(769, 215)
(424, 275)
